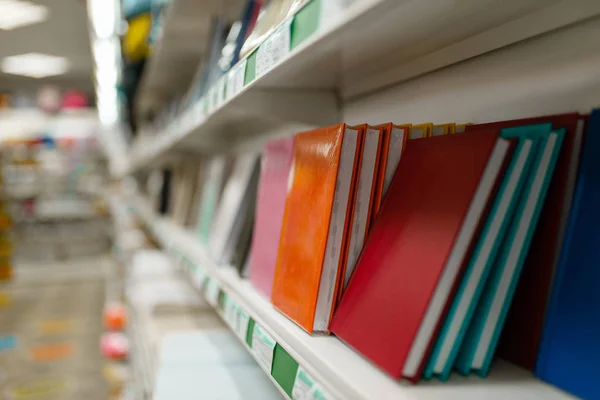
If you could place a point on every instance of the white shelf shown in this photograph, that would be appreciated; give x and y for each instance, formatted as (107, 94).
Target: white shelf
(396, 41)
(343, 372)
(179, 49)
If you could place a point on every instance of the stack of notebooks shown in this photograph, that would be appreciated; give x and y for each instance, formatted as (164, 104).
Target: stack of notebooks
(408, 241)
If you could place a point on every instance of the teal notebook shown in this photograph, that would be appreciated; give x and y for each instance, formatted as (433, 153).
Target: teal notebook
(467, 296)
(211, 193)
(482, 336)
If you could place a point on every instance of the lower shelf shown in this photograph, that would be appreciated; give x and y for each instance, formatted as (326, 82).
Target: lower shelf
(339, 370)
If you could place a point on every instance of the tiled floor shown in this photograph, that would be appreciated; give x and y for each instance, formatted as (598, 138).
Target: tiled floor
(50, 325)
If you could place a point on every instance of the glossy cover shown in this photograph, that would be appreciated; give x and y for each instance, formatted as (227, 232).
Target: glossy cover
(521, 336)
(488, 321)
(270, 205)
(569, 351)
(306, 221)
(409, 245)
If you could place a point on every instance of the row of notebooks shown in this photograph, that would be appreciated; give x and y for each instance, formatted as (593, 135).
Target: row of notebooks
(425, 248)
(408, 244)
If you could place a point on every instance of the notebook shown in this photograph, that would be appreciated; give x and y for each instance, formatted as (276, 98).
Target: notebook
(482, 336)
(569, 350)
(270, 205)
(211, 194)
(521, 335)
(409, 266)
(420, 131)
(236, 206)
(364, 196)
(394, 143)
(488, 244)
(315, 224)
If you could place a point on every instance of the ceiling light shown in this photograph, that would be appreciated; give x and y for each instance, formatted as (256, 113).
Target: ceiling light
(35, 65)
(15, 13)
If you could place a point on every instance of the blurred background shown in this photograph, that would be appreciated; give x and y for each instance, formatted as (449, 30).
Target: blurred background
(182, 217)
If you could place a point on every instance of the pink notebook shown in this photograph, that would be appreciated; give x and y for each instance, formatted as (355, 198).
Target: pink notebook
(270, 204)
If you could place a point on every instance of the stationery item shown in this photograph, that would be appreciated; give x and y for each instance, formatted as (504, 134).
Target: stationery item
(465, 302)
(420, 131)
(521, 335)
(275, 168)
(569, 350)
(414, 254)
(211, 194)
(482, 336)
(235, 210)
(364, 196)
(165, 192)
(394, 143)
(315, 224)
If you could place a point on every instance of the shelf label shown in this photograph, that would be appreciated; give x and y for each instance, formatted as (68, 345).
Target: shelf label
(212, 292)
(263, 346)
(274, 49)
(302, 385)
(235, 79)
(243, 321)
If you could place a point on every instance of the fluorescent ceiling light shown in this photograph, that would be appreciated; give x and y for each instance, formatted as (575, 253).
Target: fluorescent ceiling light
(15, 13)
(104, 16)
(35, 65)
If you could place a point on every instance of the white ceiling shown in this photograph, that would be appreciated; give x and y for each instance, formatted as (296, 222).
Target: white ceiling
(64, 33)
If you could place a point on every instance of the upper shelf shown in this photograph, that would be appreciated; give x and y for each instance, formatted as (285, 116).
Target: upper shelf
(335, 366)
(344, 50)
(179, 50)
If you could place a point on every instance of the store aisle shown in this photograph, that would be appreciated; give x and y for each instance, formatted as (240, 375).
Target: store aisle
(50, 325)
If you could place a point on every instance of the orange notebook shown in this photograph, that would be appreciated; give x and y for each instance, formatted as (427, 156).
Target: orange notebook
(315, 225)
(394, 143)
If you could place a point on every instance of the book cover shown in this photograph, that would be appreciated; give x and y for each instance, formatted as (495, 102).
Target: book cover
(236, 204)
(211, 194)
(488, 244)
(483, 334)
(275, 168)
(521, 335)
(569, 350)
(315, 225)
(409, 266)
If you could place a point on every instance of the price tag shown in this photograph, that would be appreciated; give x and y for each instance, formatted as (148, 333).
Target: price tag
(274, 49)
(302, 385)
(263, 346)
(198, 111)
(244, 320)
(235, 79)
(212, 292)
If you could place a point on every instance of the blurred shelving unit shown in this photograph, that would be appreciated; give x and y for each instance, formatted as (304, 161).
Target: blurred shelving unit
(351, 61)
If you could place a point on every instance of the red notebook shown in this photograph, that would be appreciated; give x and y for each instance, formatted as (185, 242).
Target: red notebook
(525, 321)
(417, 247)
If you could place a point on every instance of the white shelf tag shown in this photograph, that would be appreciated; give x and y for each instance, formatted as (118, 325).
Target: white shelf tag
(242, 328)
(263, 346)
(212, 292)
(235, 79)
(274, 49)
(302, 385)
